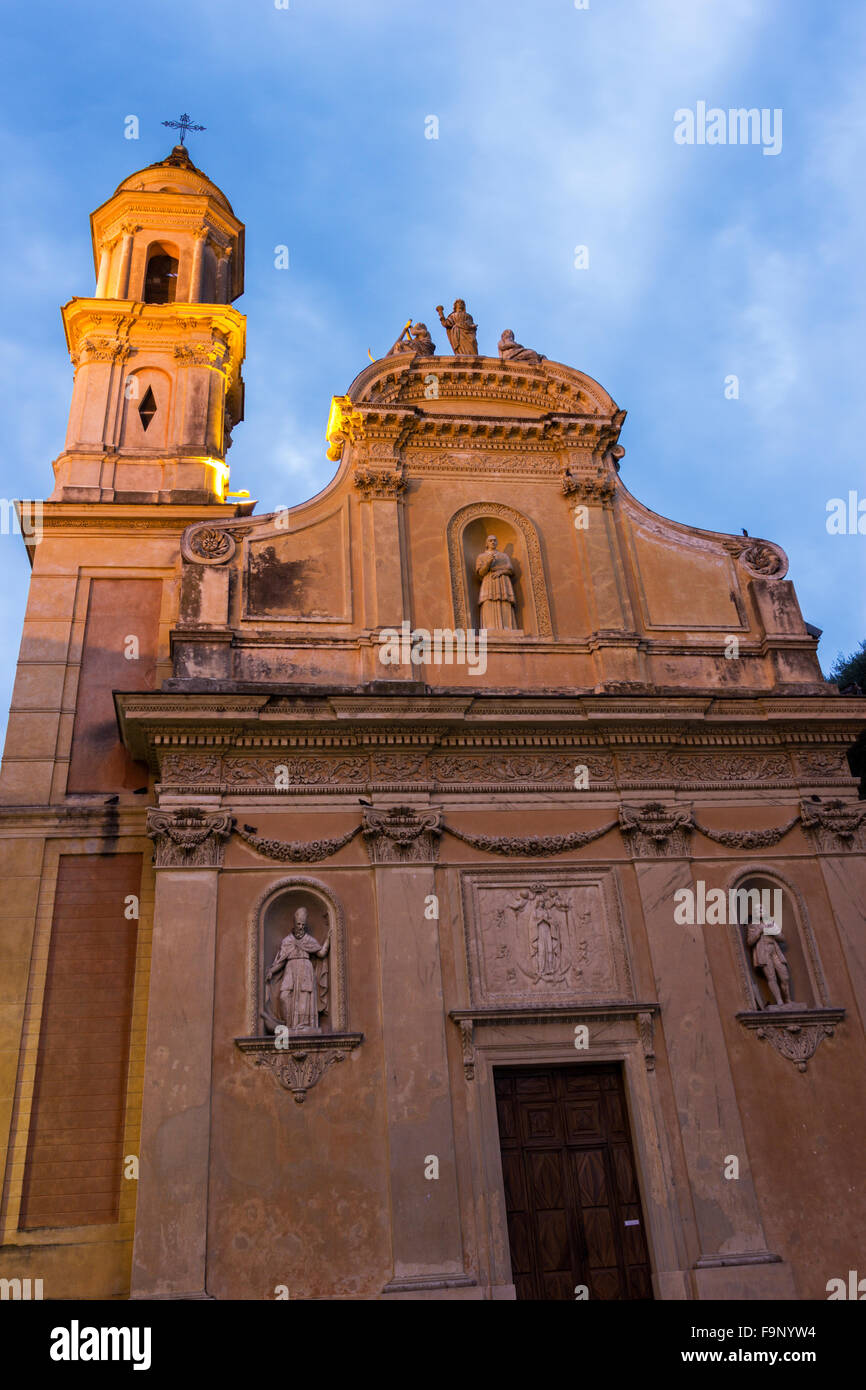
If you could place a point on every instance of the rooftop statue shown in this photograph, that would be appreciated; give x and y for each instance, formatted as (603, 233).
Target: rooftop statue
(510, 351)
(418, 341)
(461, 329)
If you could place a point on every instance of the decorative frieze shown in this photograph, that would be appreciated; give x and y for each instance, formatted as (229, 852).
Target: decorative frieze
(189, 838)
(830, 766)
(668, 768)
(518, 770)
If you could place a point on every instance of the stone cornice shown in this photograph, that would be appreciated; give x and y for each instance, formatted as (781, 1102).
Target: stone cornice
(152, 208)
(128, 326)
(239, 754)
(119, 517)
(662, 721)
(75, 819)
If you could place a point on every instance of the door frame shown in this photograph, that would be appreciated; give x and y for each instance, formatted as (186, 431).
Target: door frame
(552, 1044)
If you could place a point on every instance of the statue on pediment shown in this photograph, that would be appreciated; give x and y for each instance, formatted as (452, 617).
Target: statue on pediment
(510, 351)
(497, 605)
(461, 329)
(418, 342)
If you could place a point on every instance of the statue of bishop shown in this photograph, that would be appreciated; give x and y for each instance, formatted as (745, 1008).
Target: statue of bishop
(302, 990)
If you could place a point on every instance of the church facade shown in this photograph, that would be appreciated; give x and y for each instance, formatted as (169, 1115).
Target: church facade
(450, 887)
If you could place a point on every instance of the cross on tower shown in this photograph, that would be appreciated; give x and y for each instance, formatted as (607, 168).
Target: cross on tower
(183, 125)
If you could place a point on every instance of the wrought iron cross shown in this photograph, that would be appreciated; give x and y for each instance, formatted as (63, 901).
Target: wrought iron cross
(183, 125)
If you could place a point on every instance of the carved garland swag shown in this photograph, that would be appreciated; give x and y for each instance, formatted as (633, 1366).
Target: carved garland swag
(190, 837)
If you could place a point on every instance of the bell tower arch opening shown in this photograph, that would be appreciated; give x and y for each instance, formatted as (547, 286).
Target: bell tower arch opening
(160, 276)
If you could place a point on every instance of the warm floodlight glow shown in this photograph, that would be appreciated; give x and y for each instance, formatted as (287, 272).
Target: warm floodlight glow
(221, 476)
(334, 430)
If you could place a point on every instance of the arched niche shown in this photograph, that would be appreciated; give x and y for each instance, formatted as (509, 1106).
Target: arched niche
(767, 888)
(146, 409)
(271, 920)
(468, 530)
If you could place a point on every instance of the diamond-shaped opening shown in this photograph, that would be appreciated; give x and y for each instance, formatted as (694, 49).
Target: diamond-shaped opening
(147, 409)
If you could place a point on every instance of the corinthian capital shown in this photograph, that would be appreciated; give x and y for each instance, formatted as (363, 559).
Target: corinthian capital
(188, 838)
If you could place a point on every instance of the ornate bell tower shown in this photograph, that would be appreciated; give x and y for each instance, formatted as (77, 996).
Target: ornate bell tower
(158, 349)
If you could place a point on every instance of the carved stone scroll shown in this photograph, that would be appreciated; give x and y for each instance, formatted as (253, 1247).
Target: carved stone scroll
(759, 557)
(188, 838)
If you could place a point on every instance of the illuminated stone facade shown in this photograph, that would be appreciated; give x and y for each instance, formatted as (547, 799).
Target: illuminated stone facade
(268, 768)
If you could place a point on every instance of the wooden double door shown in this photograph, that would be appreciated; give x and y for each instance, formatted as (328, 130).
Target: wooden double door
(574, 1213)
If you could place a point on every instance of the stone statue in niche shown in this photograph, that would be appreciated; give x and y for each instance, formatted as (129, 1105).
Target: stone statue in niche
(510, 351)
(497, 606)
(301, 985)
(461, 329)
(418, 341)
(764, 939)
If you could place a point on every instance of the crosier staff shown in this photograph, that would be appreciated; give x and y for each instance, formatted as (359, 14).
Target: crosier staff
(399, 340)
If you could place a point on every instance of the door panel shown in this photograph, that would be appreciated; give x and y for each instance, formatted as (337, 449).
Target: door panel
(570, 1184)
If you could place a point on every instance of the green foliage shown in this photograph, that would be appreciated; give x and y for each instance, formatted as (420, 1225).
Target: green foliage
(850, 670)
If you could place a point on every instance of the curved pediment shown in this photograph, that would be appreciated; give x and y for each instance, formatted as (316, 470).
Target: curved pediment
(480, 385)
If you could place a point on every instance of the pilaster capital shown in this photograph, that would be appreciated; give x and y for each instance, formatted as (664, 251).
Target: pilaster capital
(188, 838)
(402, 835)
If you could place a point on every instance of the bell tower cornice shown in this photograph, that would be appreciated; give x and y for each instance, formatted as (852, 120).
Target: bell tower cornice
(215, 334)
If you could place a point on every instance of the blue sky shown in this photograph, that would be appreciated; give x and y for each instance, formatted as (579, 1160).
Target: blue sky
(555, 130)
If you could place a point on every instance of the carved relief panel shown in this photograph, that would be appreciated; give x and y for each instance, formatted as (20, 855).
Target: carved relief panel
(546, 938)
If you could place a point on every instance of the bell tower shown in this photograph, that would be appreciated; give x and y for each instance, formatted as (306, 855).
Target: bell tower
(158, 348)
